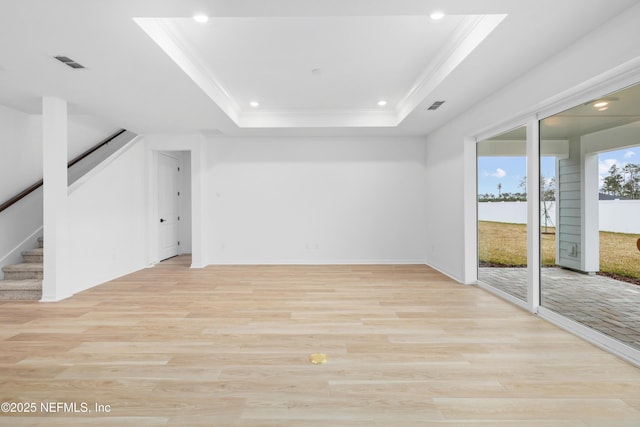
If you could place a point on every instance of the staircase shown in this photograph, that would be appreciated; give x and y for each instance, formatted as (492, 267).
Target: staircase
(24, 281)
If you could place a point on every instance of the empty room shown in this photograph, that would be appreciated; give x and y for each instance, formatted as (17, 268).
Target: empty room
(316, 213)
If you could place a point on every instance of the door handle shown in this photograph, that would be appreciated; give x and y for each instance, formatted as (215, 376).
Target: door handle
(162, 220)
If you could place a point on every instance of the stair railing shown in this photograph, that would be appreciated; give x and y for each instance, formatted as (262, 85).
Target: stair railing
(24, 193)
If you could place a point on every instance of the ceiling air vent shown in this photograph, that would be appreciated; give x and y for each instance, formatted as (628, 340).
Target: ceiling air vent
(68, 61)
(435, 105)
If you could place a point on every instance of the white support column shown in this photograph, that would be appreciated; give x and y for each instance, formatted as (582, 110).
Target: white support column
(590, 220)
(54, 157)
(199, 256)
(470, 212)
(533, 215)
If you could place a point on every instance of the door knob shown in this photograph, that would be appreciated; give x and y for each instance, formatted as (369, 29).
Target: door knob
(162, 220)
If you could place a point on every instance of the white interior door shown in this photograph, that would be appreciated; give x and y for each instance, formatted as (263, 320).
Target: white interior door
(168, 193)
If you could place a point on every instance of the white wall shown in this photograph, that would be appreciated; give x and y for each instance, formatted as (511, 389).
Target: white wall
(107, 222)
(21, 166)
(618, 216)
(89, 162)
(605, 48)
(315, 200)
(21, 146)
(85, 132)
(509, 212)
(20, 151)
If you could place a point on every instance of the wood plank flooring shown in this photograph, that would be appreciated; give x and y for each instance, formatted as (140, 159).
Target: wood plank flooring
(229, 346)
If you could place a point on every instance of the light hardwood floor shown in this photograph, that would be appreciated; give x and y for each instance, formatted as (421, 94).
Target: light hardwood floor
(229, 346)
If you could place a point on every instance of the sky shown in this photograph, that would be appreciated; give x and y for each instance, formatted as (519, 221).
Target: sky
(509, 171)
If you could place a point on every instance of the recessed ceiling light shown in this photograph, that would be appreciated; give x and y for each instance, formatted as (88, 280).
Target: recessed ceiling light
(201, 18)
(254, 104)
(382, 103)
(600, 104)
(437, 15)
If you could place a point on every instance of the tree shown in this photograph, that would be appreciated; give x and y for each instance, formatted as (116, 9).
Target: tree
(623, 182)
(631, 187)
(547, 188)
(613, 183)
(499, 189)
(547, 197)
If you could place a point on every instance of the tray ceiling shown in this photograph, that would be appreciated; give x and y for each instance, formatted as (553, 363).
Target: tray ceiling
(319, 71)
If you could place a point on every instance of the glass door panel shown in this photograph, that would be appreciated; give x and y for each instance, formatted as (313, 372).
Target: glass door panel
(502, 212)
(589, 210)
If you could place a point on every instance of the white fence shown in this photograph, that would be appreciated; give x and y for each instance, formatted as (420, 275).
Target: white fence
(620, 216)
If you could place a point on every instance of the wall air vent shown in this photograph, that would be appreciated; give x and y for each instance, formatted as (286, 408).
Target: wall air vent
(69, 62)
(435, 105)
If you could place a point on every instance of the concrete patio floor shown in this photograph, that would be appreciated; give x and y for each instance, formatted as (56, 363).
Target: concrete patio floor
(604, 304)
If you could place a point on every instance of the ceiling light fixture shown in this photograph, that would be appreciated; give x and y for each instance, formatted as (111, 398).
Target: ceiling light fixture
(603, 108)
(382, 103)
(201, 18)
(602, 102)
(254, 104)
(437, 15)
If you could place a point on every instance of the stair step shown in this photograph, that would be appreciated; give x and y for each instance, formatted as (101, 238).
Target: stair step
(40, 242)
(11, 290)
(34, 255)
(25, 271)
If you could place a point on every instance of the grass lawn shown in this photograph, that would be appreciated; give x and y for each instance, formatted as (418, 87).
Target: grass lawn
(506, 245)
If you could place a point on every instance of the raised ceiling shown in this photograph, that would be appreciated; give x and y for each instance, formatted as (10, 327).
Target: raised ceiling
(319, 71)
(265, 50)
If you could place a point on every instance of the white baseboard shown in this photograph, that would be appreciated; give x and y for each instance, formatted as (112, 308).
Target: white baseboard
(444, 271)
(316, 262)
(53, 298)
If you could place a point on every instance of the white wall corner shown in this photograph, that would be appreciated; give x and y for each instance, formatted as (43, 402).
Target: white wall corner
(199, 230)
(151, 166)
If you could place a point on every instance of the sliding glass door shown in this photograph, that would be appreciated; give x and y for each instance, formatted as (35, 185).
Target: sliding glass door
(590, 214)
(502, 212)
